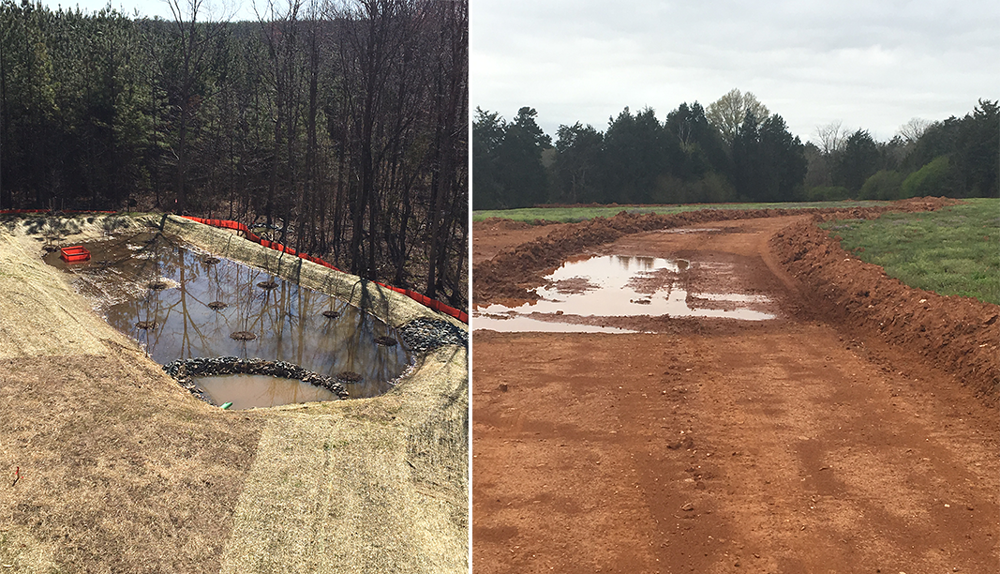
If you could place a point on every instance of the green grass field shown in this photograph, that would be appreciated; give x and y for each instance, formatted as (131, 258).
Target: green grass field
(953, 251)
(574, 214)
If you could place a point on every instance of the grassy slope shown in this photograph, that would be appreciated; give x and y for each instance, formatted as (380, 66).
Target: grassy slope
(954, 251)
(122, 470)
(574, 214)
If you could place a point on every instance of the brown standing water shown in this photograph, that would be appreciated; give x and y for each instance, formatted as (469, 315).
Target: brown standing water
(182, 304)
(625, 286)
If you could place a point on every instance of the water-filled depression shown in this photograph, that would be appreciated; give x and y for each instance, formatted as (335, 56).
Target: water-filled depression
(621, 286)
(183, 304)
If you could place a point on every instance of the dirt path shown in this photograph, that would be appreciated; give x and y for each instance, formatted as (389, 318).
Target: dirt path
(725, 446)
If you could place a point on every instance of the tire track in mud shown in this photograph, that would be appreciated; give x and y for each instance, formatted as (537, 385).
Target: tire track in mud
(810, 443)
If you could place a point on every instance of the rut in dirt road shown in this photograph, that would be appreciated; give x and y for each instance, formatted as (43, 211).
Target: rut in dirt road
(789, 445)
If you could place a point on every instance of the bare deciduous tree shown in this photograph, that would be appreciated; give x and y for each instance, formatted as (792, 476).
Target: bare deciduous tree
(913, 129)
(192, 50)
(831, 137)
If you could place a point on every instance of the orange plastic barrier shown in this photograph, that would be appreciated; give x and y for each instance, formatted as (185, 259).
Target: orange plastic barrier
(74, 254)
(418, 297)
(227, 224)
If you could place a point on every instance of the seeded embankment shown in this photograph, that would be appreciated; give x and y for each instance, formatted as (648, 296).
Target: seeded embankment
(108, 465)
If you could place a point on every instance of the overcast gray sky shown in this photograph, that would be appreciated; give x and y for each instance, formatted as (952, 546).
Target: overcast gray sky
(872, 65)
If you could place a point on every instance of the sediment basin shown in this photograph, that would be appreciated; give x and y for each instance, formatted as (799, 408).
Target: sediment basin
(181, 303)
(122, 469)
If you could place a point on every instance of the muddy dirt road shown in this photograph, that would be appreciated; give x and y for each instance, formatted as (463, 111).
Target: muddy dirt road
(715, 445)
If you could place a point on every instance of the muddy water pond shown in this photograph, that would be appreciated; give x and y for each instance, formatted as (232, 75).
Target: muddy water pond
(622, 286)
(180, 303)
(248, 391)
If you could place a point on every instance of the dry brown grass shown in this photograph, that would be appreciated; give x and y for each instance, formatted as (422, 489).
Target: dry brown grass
(119, 467)
(121, 470)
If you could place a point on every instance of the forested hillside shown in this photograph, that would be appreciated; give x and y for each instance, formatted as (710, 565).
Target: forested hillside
(341, 125)
(733, 150)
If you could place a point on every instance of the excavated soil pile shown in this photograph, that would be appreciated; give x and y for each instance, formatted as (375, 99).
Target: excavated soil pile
(958, 334)
(511, 273)
(510, 232)
(499, 223)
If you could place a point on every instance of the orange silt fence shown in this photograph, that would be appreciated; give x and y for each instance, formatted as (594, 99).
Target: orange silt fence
(418, 297)
(75, 255)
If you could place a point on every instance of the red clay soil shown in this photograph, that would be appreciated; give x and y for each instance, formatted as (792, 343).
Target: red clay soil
(960, 335)
(828, 440)
(510, 273)
(495, 233)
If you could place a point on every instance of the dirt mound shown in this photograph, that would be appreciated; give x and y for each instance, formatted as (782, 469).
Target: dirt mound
(499, 223)
(509, 274)
(960, 335)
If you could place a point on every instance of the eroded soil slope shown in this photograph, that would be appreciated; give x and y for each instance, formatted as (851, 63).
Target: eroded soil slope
(958, 334)
(808, 443)
(494, 234)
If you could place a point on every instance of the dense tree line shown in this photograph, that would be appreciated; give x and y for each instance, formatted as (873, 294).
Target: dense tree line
(735, 150)
(956, 157)
(339, 124)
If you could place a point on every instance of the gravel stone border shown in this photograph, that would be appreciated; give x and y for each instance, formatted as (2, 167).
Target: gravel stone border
(422, 335)
(185, 370)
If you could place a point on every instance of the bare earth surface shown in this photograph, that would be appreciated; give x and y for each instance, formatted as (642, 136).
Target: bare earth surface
(494, 234)
(815, 442)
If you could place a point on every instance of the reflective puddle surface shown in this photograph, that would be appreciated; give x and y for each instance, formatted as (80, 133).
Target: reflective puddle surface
(689, 230)
(182, 304)
(622, 286)
(248, 391)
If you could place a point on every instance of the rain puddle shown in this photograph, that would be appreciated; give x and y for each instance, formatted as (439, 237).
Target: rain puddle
(182, 304)
(688, 230)
(621, 286)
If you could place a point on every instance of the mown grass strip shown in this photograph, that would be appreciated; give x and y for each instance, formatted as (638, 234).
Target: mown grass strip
(575, 214)
(952, 251)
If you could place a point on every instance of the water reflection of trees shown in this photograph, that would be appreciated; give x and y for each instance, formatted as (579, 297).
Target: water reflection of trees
(288, 320)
